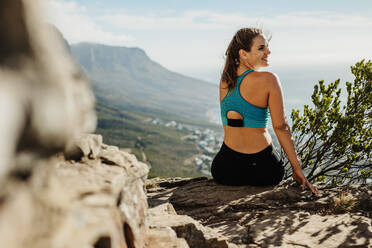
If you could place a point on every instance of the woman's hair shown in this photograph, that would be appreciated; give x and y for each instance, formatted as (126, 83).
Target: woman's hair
(242, 39)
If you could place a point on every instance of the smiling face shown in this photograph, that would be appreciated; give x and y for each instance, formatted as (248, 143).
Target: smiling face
(257, 57)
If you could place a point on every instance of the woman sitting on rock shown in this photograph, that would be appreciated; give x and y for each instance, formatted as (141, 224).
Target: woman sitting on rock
(247, 156)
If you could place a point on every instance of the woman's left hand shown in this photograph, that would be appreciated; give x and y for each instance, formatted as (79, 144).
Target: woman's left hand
(300, 178)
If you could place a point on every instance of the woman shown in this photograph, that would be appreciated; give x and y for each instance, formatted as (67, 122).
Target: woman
(246, 96)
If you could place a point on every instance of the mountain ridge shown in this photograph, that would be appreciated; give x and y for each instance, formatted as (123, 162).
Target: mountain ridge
(130, 76)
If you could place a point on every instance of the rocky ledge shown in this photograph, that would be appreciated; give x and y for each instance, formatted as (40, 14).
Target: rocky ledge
(206, 214)
(93, 199)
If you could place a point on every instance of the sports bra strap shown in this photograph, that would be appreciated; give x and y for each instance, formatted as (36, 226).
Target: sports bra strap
(245, 73)
(240, 78)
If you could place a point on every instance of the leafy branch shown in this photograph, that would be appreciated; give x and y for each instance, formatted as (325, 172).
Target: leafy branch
(334, 143)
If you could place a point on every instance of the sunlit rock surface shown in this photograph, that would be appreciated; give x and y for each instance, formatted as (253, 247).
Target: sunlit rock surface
(281, 216)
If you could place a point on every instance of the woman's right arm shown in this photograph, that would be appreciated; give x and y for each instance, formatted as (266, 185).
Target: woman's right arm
(282, 129)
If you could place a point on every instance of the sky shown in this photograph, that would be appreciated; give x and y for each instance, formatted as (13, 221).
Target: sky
(311, 40)
(191, 36)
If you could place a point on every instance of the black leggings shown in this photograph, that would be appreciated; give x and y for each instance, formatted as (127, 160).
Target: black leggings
(264, 168)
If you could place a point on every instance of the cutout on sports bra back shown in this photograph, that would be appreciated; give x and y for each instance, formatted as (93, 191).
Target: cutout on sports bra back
(234, 119)
(232, 114)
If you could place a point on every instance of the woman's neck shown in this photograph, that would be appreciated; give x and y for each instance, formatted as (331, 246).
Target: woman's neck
(243, 68)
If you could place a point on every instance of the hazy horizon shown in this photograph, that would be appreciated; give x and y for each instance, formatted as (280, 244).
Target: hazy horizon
(311, 41)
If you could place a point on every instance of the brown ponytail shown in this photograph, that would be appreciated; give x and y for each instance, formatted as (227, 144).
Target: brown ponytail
(242, 40)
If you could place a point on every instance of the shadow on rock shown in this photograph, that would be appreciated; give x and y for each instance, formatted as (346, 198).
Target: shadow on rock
(279, 216)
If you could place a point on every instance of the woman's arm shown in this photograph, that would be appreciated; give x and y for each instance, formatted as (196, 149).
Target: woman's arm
(282, 129)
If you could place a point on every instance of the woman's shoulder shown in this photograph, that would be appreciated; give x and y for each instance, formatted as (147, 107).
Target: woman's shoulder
(267, 77)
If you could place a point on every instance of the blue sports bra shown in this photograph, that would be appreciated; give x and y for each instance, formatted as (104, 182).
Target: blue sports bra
(253, 116)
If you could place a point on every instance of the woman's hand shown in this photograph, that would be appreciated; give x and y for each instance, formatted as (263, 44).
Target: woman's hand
(300, 178)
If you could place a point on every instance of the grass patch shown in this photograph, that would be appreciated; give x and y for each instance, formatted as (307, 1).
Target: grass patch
(344, 203)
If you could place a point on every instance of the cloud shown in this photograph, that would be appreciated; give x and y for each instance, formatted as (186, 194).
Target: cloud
(204, 19)
(300, 37)
(320, 19)
(193, 42)
(188, 20)
(76, 25)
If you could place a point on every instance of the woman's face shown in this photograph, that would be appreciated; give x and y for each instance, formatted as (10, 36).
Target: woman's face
(258, 56)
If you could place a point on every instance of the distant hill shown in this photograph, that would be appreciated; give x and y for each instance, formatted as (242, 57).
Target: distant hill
(160, 146)
(129, 79)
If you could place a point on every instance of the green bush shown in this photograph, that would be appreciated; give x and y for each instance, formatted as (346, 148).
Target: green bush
(334, 142)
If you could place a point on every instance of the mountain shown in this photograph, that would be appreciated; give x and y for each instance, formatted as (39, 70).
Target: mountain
(129, 79)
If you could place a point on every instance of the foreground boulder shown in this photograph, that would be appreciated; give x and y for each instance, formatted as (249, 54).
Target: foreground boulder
(91, 202)
(45, 100)
(281, 216)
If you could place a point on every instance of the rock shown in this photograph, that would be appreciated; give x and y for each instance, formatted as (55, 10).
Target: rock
(161, 235)
(196, 235)
(177, 181)
(93, 195)
(88, 203)
(44, 96)
(164, 237)
(281, 216)
(87, 145)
